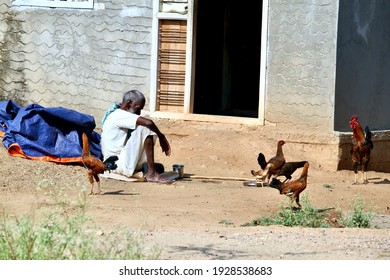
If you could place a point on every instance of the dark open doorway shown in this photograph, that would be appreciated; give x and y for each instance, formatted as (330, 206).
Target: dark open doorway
(227, 66)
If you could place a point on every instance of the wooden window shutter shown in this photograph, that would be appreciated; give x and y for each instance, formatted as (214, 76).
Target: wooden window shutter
(171, 65)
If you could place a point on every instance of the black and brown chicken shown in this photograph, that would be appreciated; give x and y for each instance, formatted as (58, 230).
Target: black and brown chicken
(287, 169)
(272, 166)
(361, 148)
(95, 166)
(292, 188)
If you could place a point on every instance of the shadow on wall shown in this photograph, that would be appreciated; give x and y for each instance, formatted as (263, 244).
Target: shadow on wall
(12, 77)
(362, 48)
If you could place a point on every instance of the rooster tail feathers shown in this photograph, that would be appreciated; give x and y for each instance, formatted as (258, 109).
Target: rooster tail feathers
(109, 163)
(302, 163)
(261, 160)
(111, 159)
(367, 133)
(110, 166)
(367, 136)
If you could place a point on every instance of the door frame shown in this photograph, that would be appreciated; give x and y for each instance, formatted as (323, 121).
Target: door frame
(188, 114)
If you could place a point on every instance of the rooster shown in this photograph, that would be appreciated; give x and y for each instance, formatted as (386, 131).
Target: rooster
(273, 166)
(292, 188)
(287, 170)
(361, 147)
(95, 166)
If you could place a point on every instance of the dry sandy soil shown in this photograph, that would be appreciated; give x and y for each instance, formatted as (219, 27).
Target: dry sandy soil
(203, 218)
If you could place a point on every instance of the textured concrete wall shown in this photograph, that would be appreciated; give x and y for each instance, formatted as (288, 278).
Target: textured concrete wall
(86, 59)
(301, 64)
(79, 59)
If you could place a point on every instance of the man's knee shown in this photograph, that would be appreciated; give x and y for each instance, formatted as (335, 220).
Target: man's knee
(142, 135)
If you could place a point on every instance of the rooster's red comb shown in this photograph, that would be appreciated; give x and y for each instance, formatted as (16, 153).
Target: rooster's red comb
(354, 118)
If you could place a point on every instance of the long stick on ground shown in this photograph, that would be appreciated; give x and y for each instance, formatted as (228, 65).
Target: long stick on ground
(215, 178)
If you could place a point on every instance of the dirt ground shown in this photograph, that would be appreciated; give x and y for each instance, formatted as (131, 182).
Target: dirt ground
(203, 218)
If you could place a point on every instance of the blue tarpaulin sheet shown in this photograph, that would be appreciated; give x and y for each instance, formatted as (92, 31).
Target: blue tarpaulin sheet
(50, 134)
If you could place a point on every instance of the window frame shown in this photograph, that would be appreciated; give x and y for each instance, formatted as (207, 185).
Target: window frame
(85, 4)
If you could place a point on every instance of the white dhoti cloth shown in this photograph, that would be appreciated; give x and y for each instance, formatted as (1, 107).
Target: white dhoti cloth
(133, 155)
(116, 141)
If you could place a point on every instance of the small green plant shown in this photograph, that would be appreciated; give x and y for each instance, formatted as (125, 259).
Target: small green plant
(63, 237)
(308, 216)
(226, 222)
(328, 186)
(65, 232)
(359, 218)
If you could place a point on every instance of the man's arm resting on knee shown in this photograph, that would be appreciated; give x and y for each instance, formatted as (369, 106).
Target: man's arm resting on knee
(161, 137)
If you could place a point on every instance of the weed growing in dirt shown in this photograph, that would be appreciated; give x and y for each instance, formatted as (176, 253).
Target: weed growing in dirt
(308, 216)
(226, 222)
(62, 237)
(359, 218)
(65, 233)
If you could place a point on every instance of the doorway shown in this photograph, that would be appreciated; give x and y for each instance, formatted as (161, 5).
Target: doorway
(227, 64)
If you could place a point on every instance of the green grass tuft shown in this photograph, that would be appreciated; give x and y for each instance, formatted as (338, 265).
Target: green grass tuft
(60, 237)
(359, 218)
(65, 232)
(308, 216)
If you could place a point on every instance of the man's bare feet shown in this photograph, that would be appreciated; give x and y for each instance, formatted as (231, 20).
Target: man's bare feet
(157, 178)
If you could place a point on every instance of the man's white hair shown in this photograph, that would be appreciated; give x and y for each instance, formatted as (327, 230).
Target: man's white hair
(134, 96)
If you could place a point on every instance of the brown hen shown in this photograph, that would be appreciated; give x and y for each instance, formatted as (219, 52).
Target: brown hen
(292, 188)
(95, 166)
(273, 165)
(287, 169)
